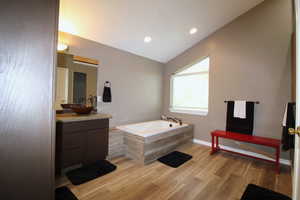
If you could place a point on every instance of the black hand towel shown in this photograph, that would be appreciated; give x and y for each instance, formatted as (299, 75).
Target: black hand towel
(287, 139)
(107, 92)
(239, 125)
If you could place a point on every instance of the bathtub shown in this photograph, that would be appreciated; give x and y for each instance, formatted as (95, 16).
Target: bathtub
(147, 129)
(147, 141)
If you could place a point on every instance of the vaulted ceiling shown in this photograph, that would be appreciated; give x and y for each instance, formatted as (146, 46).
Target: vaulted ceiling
(124, 24)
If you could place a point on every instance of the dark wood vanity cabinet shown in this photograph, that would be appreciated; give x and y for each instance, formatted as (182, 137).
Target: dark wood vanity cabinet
(81, 142)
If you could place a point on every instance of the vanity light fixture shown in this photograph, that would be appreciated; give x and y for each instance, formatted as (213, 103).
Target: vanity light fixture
(147, 39)
(85, 61)
(62, 47)
(193, 31)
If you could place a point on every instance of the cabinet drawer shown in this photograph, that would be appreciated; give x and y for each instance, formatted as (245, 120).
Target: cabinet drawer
(72, 140)
(84, 125)
(72, 157)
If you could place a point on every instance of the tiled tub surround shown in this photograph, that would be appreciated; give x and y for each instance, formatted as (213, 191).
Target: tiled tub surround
(116, 146)
(146, 142)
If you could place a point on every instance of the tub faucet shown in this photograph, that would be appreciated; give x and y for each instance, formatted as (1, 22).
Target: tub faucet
(174, 119)
(179, 121)
(163, 117)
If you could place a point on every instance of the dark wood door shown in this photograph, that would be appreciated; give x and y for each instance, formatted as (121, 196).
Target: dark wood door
(72, 148)
(96, 145)
(79, 88)
(28, 32)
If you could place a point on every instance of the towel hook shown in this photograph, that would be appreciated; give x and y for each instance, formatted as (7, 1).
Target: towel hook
(107, 84)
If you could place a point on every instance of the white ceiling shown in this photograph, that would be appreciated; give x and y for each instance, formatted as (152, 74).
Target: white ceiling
(123, 24)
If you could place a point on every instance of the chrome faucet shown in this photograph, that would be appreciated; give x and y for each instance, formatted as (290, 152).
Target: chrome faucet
(174, 119)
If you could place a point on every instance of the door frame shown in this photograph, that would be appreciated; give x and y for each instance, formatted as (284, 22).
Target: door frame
(296, 172)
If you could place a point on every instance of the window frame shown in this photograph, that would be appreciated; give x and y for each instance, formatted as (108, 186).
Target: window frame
(192, 111)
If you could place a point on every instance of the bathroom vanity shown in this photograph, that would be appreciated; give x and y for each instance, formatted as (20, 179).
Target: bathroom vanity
(80, 139)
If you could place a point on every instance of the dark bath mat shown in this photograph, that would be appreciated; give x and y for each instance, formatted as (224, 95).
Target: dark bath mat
(254, 192)
(90, 172)
(64, 193)
(175, 159)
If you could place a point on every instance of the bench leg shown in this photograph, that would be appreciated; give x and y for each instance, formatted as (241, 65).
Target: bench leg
(277, 160)
(212, 144)
(217, 144)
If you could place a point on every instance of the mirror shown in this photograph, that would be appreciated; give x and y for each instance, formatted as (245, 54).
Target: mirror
(76, 83)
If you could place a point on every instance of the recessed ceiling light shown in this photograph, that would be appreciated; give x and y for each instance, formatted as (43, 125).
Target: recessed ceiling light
(147, 39)
(193, 31)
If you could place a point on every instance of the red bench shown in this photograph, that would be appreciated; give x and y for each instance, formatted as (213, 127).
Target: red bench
(274, 143)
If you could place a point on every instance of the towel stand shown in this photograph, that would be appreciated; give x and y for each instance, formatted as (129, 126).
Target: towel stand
(256, 102)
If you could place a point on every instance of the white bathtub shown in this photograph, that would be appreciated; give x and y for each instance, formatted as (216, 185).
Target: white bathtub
(146, 142)
(150, 128)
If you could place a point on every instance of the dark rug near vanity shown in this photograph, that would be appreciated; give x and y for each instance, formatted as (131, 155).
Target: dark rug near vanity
(175, 159)
(254, 192)
(64, 193)
(90, 172)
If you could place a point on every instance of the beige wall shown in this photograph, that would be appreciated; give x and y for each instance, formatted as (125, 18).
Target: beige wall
(136, 81)
(249, 60)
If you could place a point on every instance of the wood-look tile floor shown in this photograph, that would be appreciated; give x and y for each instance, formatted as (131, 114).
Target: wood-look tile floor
(222, 176)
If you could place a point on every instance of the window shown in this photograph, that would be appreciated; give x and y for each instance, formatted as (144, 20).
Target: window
(189, 89)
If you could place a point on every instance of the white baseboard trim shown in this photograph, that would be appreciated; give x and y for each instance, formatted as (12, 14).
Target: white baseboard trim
(205, 143)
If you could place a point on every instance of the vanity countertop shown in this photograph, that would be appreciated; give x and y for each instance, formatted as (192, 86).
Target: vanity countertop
(71, 117)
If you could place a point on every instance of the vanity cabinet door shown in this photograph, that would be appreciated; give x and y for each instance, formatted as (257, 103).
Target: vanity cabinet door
(96, 145)
(72, 149)
(73, 140)
(72, 157)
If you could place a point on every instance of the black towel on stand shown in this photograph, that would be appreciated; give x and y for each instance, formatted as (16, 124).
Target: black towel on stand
(288, 140)
(239, 125)
(107, 92)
